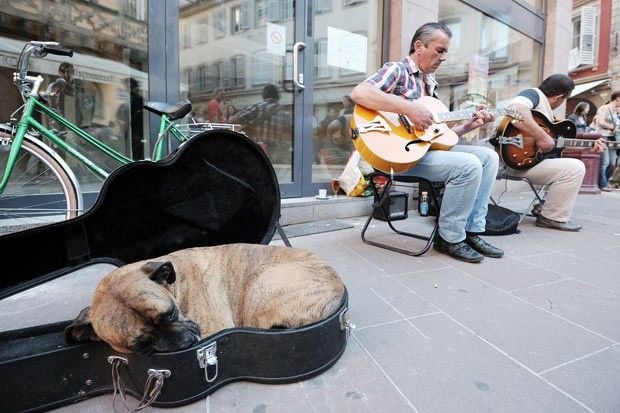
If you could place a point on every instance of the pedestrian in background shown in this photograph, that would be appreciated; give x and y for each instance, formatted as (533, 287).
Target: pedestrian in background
(607, 125)
(579, 116)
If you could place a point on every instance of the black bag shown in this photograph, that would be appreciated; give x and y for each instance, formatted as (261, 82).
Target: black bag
(501, 221)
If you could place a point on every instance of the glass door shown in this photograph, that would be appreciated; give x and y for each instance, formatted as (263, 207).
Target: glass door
(280, 69)
(236, 62)
(347, 45)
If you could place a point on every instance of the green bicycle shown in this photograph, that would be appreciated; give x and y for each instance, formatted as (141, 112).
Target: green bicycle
(37, 185)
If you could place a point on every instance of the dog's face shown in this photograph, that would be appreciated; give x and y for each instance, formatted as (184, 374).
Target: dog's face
(134, 312)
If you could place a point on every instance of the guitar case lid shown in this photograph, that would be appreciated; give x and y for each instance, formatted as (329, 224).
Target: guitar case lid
(217, 188)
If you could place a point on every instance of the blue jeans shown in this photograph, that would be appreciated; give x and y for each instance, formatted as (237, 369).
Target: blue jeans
(469, 173)
(609, 157)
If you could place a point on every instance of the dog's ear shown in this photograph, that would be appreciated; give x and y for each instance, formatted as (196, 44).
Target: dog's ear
(160, 271)
(81, 330)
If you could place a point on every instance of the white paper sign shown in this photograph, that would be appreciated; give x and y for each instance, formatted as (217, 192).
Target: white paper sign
(276, 39)
(346, 50)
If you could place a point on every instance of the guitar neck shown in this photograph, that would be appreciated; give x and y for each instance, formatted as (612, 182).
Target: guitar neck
(466, 114)
(583, 143)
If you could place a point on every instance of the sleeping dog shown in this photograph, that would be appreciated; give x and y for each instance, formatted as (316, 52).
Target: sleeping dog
(171, 302)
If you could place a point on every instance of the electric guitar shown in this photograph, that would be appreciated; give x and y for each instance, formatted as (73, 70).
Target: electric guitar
(519, 151)
(391, 143)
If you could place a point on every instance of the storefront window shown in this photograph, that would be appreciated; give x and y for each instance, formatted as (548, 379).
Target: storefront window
(347, 27)
(235, 74)
(247, 49)
(101, 88)
(490, 66)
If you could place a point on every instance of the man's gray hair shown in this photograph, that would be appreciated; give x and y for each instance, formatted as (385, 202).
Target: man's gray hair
(426, 33)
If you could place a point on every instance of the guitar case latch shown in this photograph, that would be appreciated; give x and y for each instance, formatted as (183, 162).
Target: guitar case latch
(345, 322)
(207, 357)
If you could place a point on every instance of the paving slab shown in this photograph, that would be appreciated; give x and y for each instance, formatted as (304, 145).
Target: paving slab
(535, 331)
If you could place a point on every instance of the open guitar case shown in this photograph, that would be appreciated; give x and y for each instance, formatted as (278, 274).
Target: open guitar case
(217, 188)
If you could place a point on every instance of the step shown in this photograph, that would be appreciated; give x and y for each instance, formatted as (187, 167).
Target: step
(309, 209)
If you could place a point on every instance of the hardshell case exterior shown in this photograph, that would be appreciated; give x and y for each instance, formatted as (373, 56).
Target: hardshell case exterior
(43, 372)
(217, 188)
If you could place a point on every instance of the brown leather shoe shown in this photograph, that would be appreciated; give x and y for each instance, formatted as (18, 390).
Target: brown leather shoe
(562, 226)
(483, 247)
(459, 250)
(537, 209)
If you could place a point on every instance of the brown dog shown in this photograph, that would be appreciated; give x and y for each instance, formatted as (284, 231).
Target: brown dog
(169, 303)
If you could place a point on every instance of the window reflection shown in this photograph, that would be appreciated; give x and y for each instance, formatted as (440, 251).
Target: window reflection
(107, 76)
(490, 67)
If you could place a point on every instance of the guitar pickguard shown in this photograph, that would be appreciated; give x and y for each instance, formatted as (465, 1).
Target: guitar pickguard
(378, 124)
(512, 140)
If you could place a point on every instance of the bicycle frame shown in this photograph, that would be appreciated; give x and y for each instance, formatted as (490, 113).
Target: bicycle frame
(166, 126)
(28, 122)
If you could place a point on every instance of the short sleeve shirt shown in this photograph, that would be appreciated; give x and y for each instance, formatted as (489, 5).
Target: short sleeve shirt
(535, 99)
(403, 78)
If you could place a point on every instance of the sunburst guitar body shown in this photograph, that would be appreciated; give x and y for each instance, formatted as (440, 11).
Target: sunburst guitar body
(518, 149)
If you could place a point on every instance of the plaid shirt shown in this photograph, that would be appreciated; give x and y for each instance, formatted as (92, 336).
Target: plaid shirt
(266, 121)
(403, 79)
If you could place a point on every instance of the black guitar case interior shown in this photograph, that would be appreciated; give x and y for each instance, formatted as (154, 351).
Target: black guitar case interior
(217, 188)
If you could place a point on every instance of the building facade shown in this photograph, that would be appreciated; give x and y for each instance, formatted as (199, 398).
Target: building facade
(594, 61)
(311, 52)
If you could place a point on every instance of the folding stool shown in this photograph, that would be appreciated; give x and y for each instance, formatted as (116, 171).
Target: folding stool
(380, 207)
(538, 192)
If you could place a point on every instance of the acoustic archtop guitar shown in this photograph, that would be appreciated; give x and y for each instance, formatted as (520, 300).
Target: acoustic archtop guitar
(518, 150)
(391, 143)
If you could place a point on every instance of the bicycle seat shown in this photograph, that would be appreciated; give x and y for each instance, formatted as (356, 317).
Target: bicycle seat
(174, 111)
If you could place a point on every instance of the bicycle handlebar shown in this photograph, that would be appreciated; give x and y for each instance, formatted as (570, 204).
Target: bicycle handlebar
(59, 50)
(37, 49)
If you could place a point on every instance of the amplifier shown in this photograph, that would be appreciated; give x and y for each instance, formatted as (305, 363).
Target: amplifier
(395, 207)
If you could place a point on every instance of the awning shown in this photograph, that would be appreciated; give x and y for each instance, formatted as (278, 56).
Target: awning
(584, 87)
(87, 67)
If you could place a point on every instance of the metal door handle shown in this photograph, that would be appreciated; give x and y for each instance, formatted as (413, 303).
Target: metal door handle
(298, 78)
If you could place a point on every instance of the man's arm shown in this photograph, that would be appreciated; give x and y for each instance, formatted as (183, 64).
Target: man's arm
(602, 114)
(479, 118)
(544, 142)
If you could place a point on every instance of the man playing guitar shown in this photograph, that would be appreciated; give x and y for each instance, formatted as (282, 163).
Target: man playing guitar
(468, 171)
(563, 176)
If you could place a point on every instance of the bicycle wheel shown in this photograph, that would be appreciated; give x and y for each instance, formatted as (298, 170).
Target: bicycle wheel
(42, 188)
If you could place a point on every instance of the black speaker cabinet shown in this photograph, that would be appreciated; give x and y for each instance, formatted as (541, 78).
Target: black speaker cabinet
(395, 207)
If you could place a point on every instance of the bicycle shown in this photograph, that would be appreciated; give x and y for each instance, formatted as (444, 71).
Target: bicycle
(41, 164)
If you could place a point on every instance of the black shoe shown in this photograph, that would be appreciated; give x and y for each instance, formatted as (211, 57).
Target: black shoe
(543, 222)
(483, 247)
(459, 250)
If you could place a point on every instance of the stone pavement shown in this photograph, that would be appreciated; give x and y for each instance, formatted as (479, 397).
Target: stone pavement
(535, 331)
